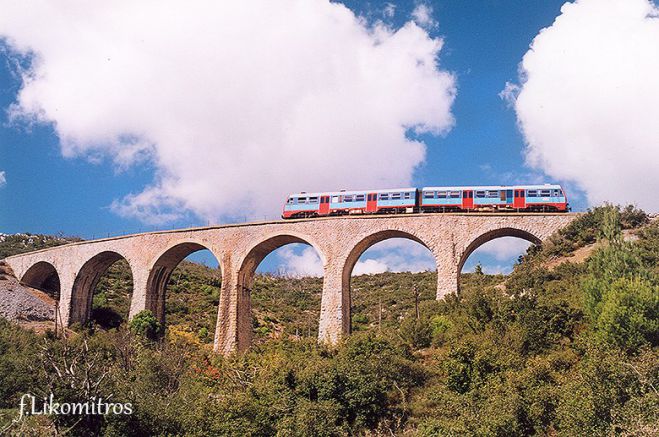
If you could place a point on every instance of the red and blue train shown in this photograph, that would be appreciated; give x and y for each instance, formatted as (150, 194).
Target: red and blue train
(514, 198)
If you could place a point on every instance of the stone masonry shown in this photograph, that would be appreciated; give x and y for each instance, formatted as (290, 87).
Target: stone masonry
(73, 270)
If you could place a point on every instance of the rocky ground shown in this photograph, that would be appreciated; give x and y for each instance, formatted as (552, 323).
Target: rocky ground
(20, 303)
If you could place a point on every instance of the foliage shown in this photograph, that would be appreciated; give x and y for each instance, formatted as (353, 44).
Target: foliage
(416, 333)
(146, 325)
(588, 228)
(15, 244)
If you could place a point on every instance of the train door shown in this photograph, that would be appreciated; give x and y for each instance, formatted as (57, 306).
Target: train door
(372, 202)
(324, 205)
(520, 199)
(467, 199)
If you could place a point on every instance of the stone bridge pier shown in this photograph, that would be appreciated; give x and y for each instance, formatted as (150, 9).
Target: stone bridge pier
(71, 272)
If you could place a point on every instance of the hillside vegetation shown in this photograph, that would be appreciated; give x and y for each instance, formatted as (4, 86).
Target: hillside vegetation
(571, 350)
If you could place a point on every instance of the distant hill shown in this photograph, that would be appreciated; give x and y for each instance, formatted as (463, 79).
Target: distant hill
(14, 244)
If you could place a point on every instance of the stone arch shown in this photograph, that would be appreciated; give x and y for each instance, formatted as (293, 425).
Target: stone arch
(492, 235)
(371, 240)
(161, 271)
(354, 255)
(85, 283)
(245, 278)
(43, 276)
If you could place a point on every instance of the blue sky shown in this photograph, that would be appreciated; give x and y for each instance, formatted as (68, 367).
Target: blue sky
(483, 45)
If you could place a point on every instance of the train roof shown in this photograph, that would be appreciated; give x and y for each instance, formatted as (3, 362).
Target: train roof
(443, 188)
(337, 193)
(493, 187)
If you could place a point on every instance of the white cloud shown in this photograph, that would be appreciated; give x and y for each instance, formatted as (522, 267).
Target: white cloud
(235, 104)
(389, 10)
(504, 248)
(422, 15)
(305, 263)
(3, 179)
(369, 267)
(588, 102)
(395, 255)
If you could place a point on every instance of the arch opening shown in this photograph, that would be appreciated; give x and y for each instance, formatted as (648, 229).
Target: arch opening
(279, 287)
(183, 289)
(43, 277)
(390, 276)
(102, 291)
(495, 252)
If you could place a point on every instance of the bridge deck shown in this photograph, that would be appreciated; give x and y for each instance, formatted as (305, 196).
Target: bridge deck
(282, 221)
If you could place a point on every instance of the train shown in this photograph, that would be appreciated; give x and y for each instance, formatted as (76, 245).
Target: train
(495, 198)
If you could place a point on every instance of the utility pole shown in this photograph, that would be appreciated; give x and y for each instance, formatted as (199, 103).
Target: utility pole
(380, 313)
(416, 300)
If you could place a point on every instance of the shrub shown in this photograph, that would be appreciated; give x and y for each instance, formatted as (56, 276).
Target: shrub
(440, 326)
(416, 333)
(628, 314)
(146, 325)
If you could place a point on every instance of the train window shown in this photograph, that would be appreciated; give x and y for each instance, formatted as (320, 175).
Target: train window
(313, 200)
(502, 195)
(545, 193)
(347, 198)
(395, 196)
(290, 201)
(454, 194)
(557, 193)
(335, 199)
(408, 195)
(471, 194)
(480, 194)
(428, 194)
(441, 194)
(531, 193)
(384, 196)
(492, 194)
(359, 198)
(302, 200)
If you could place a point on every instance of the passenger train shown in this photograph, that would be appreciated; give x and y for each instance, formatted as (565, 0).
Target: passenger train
(514, 198)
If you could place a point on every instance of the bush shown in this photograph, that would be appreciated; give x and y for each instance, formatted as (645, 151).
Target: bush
(146, 325)
(627, 316)
(416, 333)
(440, 326)
(588, 227)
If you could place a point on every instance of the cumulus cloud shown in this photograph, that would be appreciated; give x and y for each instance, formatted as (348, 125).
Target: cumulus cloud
(504, 248)
(588, 100)
(422, 15)
(300, 263)
(234, 104)
(3, 179)
(395, 255)
(389, 10)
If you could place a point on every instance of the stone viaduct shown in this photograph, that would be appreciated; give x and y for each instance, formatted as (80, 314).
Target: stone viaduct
(73, 270)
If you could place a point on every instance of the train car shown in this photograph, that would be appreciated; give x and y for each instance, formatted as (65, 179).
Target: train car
(494, 198)
(523, 198)
(392, 201)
